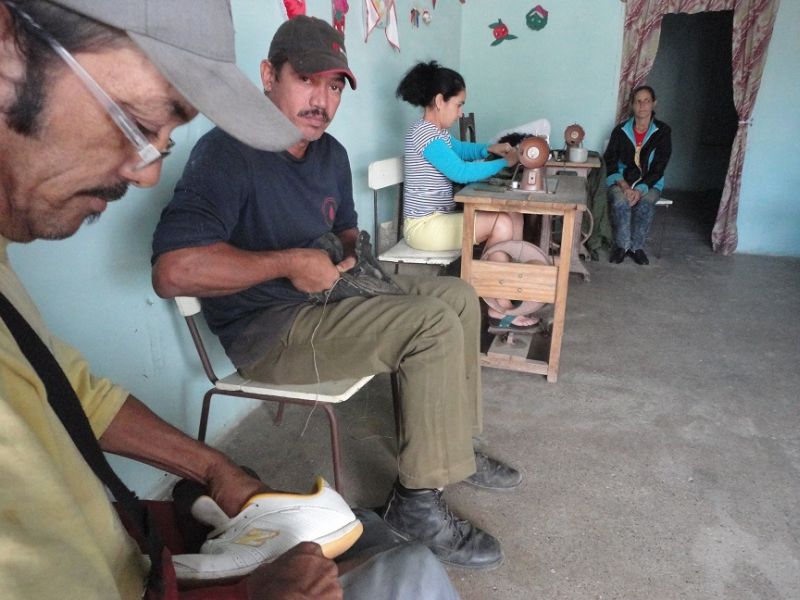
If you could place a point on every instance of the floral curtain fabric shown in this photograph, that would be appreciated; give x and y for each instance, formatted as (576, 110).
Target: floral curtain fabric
(753, 21)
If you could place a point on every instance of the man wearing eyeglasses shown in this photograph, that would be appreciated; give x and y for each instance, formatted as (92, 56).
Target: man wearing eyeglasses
(90, 91)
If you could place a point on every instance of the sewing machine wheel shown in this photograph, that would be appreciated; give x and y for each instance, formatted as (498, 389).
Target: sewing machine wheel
(518, 252)
(573, 135)
(533, 152)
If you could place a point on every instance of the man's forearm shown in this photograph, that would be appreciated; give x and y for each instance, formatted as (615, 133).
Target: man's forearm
(138, 433)
(221, 269)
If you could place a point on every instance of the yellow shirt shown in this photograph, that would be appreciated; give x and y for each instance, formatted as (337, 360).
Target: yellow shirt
(60, 538)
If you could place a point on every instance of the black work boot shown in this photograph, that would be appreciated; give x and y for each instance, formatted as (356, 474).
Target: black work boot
(423, 516)
(492, 474)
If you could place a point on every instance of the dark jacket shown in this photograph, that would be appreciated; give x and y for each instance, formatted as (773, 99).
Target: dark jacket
(654, 156)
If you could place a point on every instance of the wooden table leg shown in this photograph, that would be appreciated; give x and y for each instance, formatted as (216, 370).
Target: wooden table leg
(467, 238)
(560, 307)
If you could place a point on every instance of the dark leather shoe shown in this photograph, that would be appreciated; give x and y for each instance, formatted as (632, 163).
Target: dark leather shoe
(493, 475)
(423, 516)
(617, 255)
(639, 257)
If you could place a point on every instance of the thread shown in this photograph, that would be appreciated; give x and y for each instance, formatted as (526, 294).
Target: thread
(314, 352)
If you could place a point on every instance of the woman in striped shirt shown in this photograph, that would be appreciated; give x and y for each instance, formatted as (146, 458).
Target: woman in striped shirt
(434, 160)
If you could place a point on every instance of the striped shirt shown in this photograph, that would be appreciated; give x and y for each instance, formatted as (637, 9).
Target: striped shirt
(433, 160)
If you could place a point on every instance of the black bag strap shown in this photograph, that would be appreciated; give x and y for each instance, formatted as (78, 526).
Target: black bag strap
(65, 404)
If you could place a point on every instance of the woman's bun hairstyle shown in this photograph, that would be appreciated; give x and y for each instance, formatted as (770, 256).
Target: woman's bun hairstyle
(425, 80)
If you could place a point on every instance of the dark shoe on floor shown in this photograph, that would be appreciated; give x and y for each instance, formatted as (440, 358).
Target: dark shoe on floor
(423, 516)
(639, 257)
(493, 475)
(617, 255)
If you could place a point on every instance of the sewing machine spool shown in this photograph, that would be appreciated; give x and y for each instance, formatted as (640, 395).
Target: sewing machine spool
(533, 154)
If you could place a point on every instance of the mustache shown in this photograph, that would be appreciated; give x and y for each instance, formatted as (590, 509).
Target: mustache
(315, 112)
(108, 193)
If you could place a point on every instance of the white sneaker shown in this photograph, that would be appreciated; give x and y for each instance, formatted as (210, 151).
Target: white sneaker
(267, 526)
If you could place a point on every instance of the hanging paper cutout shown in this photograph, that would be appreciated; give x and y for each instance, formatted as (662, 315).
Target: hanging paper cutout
(536, 18)
(340, 8)
(414, 18)
(500, 32)
(426, 17)
(292, 8)
(382, 14)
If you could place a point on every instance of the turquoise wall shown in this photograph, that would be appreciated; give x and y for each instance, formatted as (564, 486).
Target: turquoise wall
(94, 289)
(769, 212)
(567, 72)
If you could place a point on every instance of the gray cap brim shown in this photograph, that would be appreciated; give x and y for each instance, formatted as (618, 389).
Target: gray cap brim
(220, 91)
(192, 44)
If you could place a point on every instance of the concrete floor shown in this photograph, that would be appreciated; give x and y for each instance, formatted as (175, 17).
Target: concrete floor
(663, 464)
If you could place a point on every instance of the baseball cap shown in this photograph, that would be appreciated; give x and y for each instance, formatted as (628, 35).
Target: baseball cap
(192, 44)
(311, 46)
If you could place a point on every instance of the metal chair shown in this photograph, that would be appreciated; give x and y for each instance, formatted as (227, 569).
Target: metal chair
(385, 174)
(666, 204)
(325, 394)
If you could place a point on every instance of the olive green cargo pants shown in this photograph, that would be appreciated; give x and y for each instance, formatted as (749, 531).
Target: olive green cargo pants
(429, 337)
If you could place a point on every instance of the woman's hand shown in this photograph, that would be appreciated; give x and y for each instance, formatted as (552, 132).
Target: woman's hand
(512, 158)
(502, 150)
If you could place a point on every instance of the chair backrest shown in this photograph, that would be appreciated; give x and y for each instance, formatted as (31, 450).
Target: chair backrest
(382, 174)
(385, 173)
(466, 127)
(189, 308)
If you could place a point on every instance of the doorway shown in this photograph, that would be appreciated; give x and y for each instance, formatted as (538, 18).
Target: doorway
(692, 78)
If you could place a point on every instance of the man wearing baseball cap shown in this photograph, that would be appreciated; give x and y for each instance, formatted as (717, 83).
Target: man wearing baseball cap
(90, 91)
(250, 232)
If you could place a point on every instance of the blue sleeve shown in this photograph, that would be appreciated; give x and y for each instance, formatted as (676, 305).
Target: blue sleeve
(470, 150)
(441, 156)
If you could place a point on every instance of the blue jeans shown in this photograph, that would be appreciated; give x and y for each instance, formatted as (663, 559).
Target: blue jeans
(632, 223)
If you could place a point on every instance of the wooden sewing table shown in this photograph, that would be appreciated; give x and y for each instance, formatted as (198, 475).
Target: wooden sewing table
(517, 281)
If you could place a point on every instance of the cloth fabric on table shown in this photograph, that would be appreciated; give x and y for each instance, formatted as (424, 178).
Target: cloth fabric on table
(597, 203)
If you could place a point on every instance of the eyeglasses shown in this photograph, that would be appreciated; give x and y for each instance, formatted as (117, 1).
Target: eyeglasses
(148, 153)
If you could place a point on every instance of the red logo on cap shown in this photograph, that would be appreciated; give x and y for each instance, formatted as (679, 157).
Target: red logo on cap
(336, 46)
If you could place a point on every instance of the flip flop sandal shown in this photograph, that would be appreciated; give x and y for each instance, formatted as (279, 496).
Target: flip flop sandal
(506, 325)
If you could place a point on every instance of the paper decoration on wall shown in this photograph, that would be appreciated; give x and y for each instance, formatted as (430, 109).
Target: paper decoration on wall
(340, 8)
(536, 18)
(382, 14)
(500, 32)
(418, 15)
(292, 8)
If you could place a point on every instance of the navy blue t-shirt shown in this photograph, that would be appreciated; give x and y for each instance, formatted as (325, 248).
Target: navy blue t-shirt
(256, 200)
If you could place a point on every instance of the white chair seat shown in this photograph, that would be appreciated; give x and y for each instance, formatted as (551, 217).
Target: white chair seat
(401, 252)
(325, 392)
(332, 392)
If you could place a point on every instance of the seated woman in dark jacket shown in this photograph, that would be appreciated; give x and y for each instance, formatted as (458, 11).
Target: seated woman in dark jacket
(636, 156)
